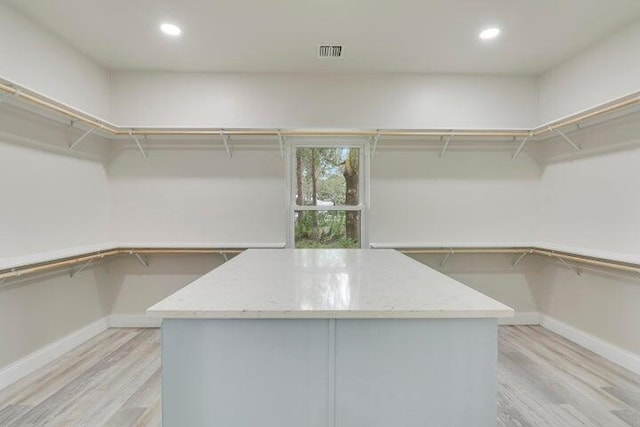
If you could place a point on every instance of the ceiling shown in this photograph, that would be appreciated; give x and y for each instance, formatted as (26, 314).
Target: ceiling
(422, 36)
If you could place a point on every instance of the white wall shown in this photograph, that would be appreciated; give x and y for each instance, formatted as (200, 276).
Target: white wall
(465, 198)
(38, 60)
(132, 288)
(590, 200)
(494, 276)
(42, 309)
(604, 72)
(323, 100)
(197, 194)
(53, 199)
(597, 302)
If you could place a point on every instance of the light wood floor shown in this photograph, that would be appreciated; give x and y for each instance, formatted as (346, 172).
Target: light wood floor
(114, 380)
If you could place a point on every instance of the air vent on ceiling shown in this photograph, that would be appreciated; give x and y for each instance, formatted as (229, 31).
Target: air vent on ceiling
(329, 51)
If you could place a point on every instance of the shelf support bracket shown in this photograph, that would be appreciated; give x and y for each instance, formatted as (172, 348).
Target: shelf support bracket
(142, 260)
(521, 146)
(374, 143)
(569, 266)
(5, 96)
(135, 138)
(15, 274)
(227, 142)
(446, 145)
(281, 139)
(443, 264)
(79, 140)
(566, 138)
(82, 267)
(224, 255)
(520, 258)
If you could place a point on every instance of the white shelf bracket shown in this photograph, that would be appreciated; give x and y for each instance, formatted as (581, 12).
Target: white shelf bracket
(227, 142)
(135, 138)
(374, 143)
(79, 140)
(5, 96)
(521, 146)
(571, 267)
(566, 138)
(142, 260)
(446, 145)
(520, 258)
(82, 267)
(224, 255)
(281, 139)
(443, 264)
(15, 274)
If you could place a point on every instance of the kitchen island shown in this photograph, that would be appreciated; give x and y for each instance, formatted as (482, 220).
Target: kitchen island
(328, 337)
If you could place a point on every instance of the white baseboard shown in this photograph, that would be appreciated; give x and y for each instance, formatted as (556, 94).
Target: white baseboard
(611, 352)
(133, 321)
(47, 354)
(527, 318)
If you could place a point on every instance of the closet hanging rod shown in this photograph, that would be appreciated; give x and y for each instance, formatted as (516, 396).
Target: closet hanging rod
(84, 258)
(466, 251)
(93, 122)
(55, 264)
(590, 114)
(70, 261)
(600, 262)
(48, 104)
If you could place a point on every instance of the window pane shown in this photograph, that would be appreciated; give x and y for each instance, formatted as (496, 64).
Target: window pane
(327, 229)
(327, 176)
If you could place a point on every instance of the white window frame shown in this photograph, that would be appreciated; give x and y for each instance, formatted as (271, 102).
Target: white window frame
(290, 185)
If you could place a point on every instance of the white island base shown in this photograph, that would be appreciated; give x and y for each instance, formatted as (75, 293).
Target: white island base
(320, 373)
(328, 338)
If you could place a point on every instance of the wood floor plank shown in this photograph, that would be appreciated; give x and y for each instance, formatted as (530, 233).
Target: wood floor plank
(41, 384)
(66, 399)
(152, 416)
(118, 389)
(125, 417)
(629, 416)
(10, 413)
(508, 414)
(553, 375)
(147, 394)
(115, 380)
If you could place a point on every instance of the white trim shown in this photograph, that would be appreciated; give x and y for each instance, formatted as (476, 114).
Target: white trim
(133, 321)
(611, 352)
(328, 208)
(47, 354)
(525, 318)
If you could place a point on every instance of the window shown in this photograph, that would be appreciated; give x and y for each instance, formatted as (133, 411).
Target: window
(328, 196)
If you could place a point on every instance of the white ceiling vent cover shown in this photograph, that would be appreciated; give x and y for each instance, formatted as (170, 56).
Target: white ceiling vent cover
(330, 51)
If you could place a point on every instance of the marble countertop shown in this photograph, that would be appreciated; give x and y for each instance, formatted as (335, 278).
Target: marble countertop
(326, 283)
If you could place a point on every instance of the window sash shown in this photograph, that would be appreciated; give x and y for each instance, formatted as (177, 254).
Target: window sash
(290, 186)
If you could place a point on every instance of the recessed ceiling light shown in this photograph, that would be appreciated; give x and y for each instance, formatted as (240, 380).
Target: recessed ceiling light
(171, 29)
(489, 33)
